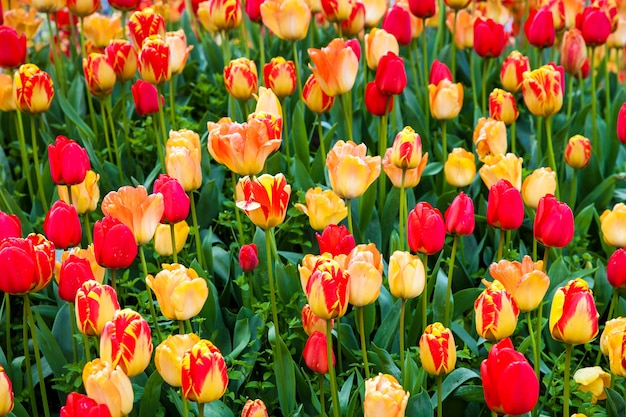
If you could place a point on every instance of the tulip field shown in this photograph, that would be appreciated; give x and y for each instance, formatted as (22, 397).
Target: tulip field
(308, 208)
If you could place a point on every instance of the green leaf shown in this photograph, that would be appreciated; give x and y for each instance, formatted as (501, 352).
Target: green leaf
(284, 372)
(419, 405)
(217, 408)
(454, 380)
(19, 410)
(49, 347)
(151, 395)
(74, 117)
(299, 136)
(383, 361)
(242, 337)
(614, 404)
(388, 329)
(344, 394)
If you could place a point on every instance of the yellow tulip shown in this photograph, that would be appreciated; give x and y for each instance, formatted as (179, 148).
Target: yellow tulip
(539, 183)
(446, 99)
(460, 168)
(108, 385)
(350, 170)
(406, 275)
(163, 238)
(168, 357)
(525, 281)
(490, 137)
(593, 379)
(613, 225)
(498, 167)
(323, 207)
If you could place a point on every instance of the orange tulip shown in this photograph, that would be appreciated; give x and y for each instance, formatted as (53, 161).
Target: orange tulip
(323, 207)
(377, 43)
(7, 101)
(32, 89)
(264, 199)
(24, 22)
(108, 384)
(613, 225)
(384, 396)
(268, 102)
(218, 15)
(312, 323)
(446, 99)
(573, 316)
(83, 8)
(335, 67)
(254, 408)
(168, 356)
(412, 176)
(101, 29)
(498, 167)
(182, 158)
(437, 350)
(287, 19)
(241, 78)
(181, 293)
(204, 377)
(48, 6)
(364, 265)
(525, 281)
(99, 74)
(350, 170)
(611, 327)
(179, 50)
(465, 21)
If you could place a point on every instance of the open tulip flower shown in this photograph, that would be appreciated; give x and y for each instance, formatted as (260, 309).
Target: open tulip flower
(350, 169)
(335, 67)
(180, 292)
(287, 19)
(573, 316)
(264, 199)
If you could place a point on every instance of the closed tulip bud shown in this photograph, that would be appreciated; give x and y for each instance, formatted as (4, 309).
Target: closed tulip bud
(573, 315)
(108, 384)
(426, 231)
(539, 183)
(336, 11)
(143, 24)
(510, 384)
(73, 274)
(398, 23)
(539, 28)
(86, 254)
(502, 106)
(446, 99)
(323, 207)
(315, 354)
(126, 342)
(181, 293)
(268, 103)
(375, 11)
(573, 52)
(378, 42)
(364, 265)
(28, 264)
(543, 91)
(62, 225)
(594, 25)
(423, 8)
(437, 350)
(384, 396)
(48, 6)
(68, 160)
(513, 68)
(288, 19)
(457, 4)
(280, 76)
(613, 225)
(309, 263)
(335, 240)
(554, 222)
(496, 313)
(621, 124)
(32, 89)
(79, 405)
(315, 98)
(146, 98)
(439, 71)
(85, 195)
(355, 23)
(594, 380)
(96, 305)
(204, 377)
(14, 53)
(182, 158)
(179, 50)
(490, 137)
(163, 237)
(175, 200)
(83, 8)
(407, 276)
(505, 208)
(6, 393)
(253, 10)
(219, 15)
(350, 170)
(154, 61)
(460, 168)
(460, 216)
(489, 38)
(123, 59)
(241, 79)
(10, 225)
(377, 102)
(391, 74)
(616, 269)
(407, 149)
(312, 323)
(254, 408)
(328, 289)
(7, 101)
(498, 167)
(578, 152)
(416, 24)
(334, 67)
(168, 356)
(125, 5)
(248, 257)
(113, 243)
(412, 176)
(264, 199)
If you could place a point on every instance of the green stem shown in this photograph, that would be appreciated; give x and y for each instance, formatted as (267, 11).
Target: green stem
(473, 79)
(24, 154)
(241, 237)
(339, 358)
(551, 158)
(172, 101)
(74, 331)
(425, 294)
(444, 141)
(250, 288)
(402, 309)
(500, 244)
(185, 405)
(200, 409)
(285, 131)
(92, 113)
(594, 129)
(158, 144)
(439, 396)
(514, 137)
(484, 91)
(7, 322)
(270, 276)
(87, 227)
(539, 132)
(173, 237)
(86, 346)
(570, 97)
(55, 55)
(607, 89)
(118, 157)
(566, 372)
(363, 345)
(446, 316)
(538, 341)
(346, 115)
(322, 401)
(42, 382)
(150, 300)
(533, 342)
(453, 45)
(29, 374)
(105, 126)
(296, 62)
(125, 119)
(414, 66)
(164, 132)
(320, 133)
(261, 47)
(573, 189)
(349, 206)
(331, 368)
(614, 301)
(113, 282)
(382, 148)
(196, 230)
(425, 105)
(403, 213)
(42, 195)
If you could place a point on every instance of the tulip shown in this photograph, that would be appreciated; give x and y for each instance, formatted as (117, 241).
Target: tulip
(86, 254)
(310, 262)
(513, 68)
(124, 60)
(248, 257)
(267, 103)
(62, 225)
(542, 90)
(10, 226)
(7, 101)
(573, 52)
(168, 356)
(578, 152)
(615, 272)
(85, 195)
(175, 200)
(355, 23)
(489, 38)
(113, 243)
(379, 42)
(241, 79)
(497, 167)
(457, 4)
(69, 161)
(323, 207)
(621, 124)
(32, 89)
(328, 289)
(490, 137)
(573, 315)
(502, 106)
(108, 385)
(311, 323)
(336, 11)
(375, 11)
(254, 408)
(376, 101)
(398, 23)
(335, 67)
(465, 22)
(384, 396)
(315, 98)
(125, 5)
(219, 15)
(145, 96)
(143, 24)
(73, 274)
(136, 209)
(6, 393)
(28, 264)
(539, 183)
(96, 305)
(613, 224)
(613, 328)
(593, 379)
(287, 19)
(554, 222)
(525, 281)
(335, 240)
(437, 350)
(83, 8)
(154, 61)
(280, 76)
(557, 8)
(539, 28)
(460, 168)
(594, 25)
(126, 342)
(350, 170)
(426, 230)
(407, 149)
(364, 266)
(79, 405)
(100, 30)
(505, 208)
(460, 216)
(315, 354)
(438, 72)
(496, 313)
(14, 52)
(24, 22)
(48, 6)
(264, 199)
(181, 293)
(423, 8)
(182, 158)
(204, 377)
(407, 276)
(412, 176)
(253, 10)
(179, 50)
(446, 99)
(163, 237)
(391, 74)
(510, 384)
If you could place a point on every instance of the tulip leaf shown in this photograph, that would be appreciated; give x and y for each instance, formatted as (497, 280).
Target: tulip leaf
(420, 405)
(601, 194)
(439, 299)
(216, 408)
(299, 136)
(388, 329)
(151, 395)
(469, 341)
(602, 289)
(383, 361)
(344, 394)
(70, 112)
(221, 263)
(454, 380)
(241, 337)
(284, 372)
(19, 410)
(614, 404)
(307, 392)
(49, 347)
(302, 179)
(62, 330)
(287, 282)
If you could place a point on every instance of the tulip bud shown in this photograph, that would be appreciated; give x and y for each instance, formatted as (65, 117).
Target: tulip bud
(219, 15)
(336, 11)
(378, 42)
(391, 74)
(398, 23)
(497, 167)
(323, 207)
(315, 353)
(182, 158)
(62, 225)
(594, 25)
(6, 393)
(181, 293)
(175, 200)
(406, 152)
(327, 289)
(423, 8)
(406, 275)
(460, 216)
(254, 408)
(613, 225)
(505, 208)
(457, 4)
(14, 51)
(355, 23)
(248, 257)
(437, 350)
(573, 52)
(460, 168)
(113, 243)
(73, 274)
(241, 79)
(539, 28)
(79, 405)
(83, 8)
(513, 68)
(364, 266)
(124, 60)
(539, 183)
(621, 124)
(99, 30)
(411, 176)
(425, 229)
(10, 226)
(384, 396)
(312, 323)
(578, 152)
(502, 106)
(145, 96)
(554, 222)
(253, 10)
(543, 91)
(376, 102)
(489, 38)
(96, 305)
(179, 50)
(496, 313)
(32, 89)
(154, 61)
(204, 374)
(124, 5)
(439, 71)
(280, 76)
(27, 264)
(168, 356)
(126, 342)
(7, 101)
(69, 161)
(289, 19)
(163, 237)
(264, 199)
(108, 385)
(335, 240)
(335, 66)
(616, 269)
(315, 98)
(446, 99)
(143, 24)
(573, 315)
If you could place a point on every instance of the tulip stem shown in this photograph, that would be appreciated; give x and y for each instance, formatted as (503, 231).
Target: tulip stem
(158, 144)
(85, 343)
(125, 117)
(614, 301)
(73, 327)
(173, 236)
(453, 45)
(42, 382)
(261, 47)
(566, 372)
(402, 309)
(539, 132)
(425, 294)
(172, 101)
(594, 134)
(331, 368)
(439, 396)
(344, 108)
(551, 158)
(403, 213)
(538, 340)
(296, 62)
(533, 342)
(241, 237)
(322, 401)
(320, 133)
(425, 107)
(105, 126)
(473, 80)
(33, 133)
(570, 97)
(118, 158)
(573, 189)
(113, 283)
(7, 333)
(286, 131)
(162, 115)
(184, 401)
(92, 113)
(23, 153)
(414, 66)
(196, 229)
(446, 316)
(55, 54)
(607, 89)
(514, 137)
(349, 206)
(484, 92)
(500, 244)
(269, 236)
(444, 141)
(150, 300)
(366, 366)
(382, 148)
(29, 374)
(200, 409)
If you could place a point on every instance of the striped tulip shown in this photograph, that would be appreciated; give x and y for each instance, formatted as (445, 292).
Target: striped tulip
(502, 106)
(126, 342)
(96, 305)
(311, 323)
(327, 289)
(143, 24)
(578, 152)
(315, 98)
(437, 349)
(168, 357)
(254, 408)
(6, 393)
(280, 76)
(241, 78)
(219, 15)
(204, 377)
(108, 384)
(181, 293)
(573, 316)
(513, 68)
(154, 60)
(123, 58)
(543, 91)
(496, 313)
(32, 89)
(264, 199)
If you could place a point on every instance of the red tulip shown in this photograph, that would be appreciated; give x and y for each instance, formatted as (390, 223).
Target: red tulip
(253, 9)
(175, 200)
(335, 240)
(426, 231)
(616, 269)
(398, 22)
(539, 28)
(13, 51)
(505, 208)
(376, 102)
(595, 25)
(439, 71)
(69, 161)
(146, 96)
(73, 274)
(554, 222)
(27, 264)
(391, 74)
(154, 61)
(423, 8)
(315, 353)
(79, 405)
(489, 38)
(621, 124)
(113, 243)
(62, 225)
(355, 45)
(460, 216)
(123, 59)
(143, 24)
(124, 5)
(248, 257)
(10, 225)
